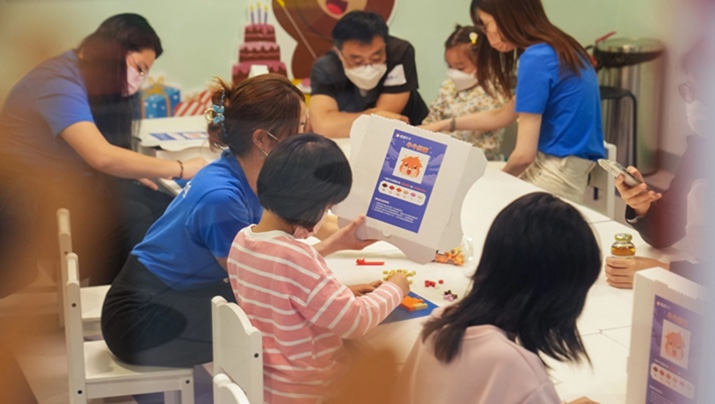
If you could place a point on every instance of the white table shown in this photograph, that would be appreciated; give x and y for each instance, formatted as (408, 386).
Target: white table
(605, 321)
(604, 324)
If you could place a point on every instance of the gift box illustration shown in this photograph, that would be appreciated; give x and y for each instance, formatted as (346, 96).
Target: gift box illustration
(195, 104)
(159, 100)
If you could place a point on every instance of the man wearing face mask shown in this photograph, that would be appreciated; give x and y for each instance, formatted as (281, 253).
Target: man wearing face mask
(461, 94)
(67, 129)
(681, 211)
(368, 72)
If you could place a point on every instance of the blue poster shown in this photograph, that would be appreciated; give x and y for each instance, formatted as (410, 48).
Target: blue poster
(674, 362)
(406, 180)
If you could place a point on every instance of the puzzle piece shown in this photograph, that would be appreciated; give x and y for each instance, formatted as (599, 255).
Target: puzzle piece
(454, 256)
(412, 303)
(408, 274)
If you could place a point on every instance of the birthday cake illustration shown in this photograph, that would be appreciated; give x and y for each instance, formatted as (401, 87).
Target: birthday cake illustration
(259, 47)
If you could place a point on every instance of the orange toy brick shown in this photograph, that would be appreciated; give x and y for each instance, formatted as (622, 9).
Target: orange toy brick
(412, 303)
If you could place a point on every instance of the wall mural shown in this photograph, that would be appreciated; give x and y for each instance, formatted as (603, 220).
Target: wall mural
(259, 46)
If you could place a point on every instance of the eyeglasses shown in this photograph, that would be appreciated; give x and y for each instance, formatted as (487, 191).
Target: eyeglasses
(376, 58)
(687, 92)
(482, 27)
(142, 70)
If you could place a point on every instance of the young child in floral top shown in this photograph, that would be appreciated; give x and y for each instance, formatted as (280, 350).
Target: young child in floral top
(460, 94)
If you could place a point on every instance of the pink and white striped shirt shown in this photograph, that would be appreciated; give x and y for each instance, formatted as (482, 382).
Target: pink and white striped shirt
(303, 311)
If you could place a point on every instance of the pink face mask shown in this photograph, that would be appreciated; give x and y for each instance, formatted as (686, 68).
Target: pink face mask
(134, 80)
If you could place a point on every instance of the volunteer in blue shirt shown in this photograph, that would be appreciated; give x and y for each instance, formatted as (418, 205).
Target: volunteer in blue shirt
(158, 310)
(67, 127)
(556, 97)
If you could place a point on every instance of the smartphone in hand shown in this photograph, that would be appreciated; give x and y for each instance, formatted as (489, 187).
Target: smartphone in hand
(615, 169)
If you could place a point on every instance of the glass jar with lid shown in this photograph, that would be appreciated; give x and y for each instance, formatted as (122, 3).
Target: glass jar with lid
(623, 247)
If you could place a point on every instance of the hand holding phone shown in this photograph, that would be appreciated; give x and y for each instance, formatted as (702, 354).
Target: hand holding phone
(615, 169)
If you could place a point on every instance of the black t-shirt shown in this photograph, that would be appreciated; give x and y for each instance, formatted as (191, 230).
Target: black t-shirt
(328, 78)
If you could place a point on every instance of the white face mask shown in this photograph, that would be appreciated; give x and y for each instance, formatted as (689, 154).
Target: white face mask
(698, 118)
(265, 153)
(366, 77)
(463, 81)
(134, 81)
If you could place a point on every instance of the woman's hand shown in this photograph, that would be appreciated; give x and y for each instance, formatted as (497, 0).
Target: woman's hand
(344, 239)
(621, 271)
(191, 167)
(639, 197)
(148, 183)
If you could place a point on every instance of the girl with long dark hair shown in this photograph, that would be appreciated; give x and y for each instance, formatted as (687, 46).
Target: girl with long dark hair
(539, 260)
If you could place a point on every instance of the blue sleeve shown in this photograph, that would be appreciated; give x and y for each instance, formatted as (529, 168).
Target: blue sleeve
(216, 220)
(62, 103)
(533, 83)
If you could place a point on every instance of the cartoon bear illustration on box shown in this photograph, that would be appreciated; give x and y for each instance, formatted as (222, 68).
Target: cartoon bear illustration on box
(310, 22)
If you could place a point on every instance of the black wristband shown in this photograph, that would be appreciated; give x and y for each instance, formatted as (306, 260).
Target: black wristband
(181, 168)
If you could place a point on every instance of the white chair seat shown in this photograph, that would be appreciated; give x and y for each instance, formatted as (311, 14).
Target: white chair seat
(95, 373)
(101, 365)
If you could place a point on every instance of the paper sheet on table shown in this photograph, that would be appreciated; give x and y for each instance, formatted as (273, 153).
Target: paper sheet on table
(174, 134)
(410, 183)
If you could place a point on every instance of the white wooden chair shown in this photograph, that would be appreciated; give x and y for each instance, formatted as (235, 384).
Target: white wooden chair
(237, 348)
(92, 296)
(601, 191)
(95, 373)
(228, 392)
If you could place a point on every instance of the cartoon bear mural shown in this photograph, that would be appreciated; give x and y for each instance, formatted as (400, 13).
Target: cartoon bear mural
(310, 22)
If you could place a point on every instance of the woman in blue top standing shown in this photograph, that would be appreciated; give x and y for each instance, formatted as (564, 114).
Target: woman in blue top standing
(65, 132)
(158, 310)
(556, 97)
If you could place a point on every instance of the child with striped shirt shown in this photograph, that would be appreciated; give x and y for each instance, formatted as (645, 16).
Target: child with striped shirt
(285, 286)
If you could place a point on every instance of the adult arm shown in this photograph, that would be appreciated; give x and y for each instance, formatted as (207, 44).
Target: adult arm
(328, 120)
(663, 222)
(95, 150)
(484, 121)
(527, 140)
(394, 103)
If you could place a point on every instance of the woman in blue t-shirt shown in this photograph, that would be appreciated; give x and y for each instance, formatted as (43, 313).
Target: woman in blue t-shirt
(554, 95)
(67, 128)
(158, 310)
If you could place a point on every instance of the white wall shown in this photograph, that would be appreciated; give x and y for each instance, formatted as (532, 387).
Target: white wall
(200, 37)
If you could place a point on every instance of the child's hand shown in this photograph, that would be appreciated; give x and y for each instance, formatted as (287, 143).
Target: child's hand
(344, 239)
(365, 288)
(400, 280)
